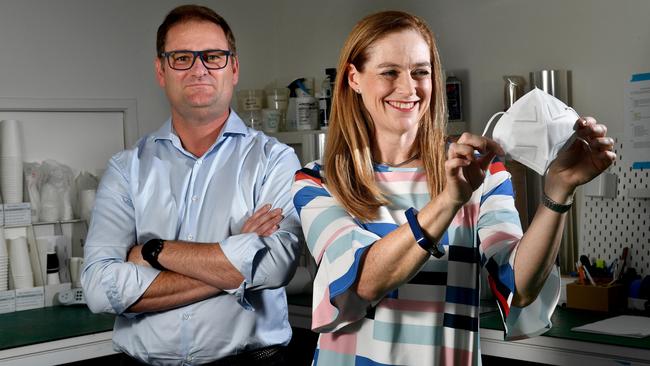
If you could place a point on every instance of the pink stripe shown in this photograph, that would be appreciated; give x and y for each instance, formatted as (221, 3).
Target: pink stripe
(413, 305)
(456, 357)
(331, 239)
(496, 238)
(342, 343)
(401, 177)
(324, 313)
(467, 215)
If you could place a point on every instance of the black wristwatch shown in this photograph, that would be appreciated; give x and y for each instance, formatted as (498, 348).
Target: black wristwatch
(151, 250)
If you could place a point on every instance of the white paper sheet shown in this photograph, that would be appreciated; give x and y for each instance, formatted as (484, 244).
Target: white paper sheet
(637, 122)
(624, 325)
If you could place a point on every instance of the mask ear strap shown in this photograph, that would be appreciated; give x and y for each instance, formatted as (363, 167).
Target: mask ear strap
(487, 126)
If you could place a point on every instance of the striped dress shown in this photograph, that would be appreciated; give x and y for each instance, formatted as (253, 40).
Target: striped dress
(434, 318)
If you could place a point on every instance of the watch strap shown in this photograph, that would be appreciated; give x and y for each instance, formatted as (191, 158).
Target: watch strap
(436, 250)
(150, 251)
(554, 206)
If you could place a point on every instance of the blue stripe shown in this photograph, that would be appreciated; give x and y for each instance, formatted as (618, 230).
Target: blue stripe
(640, 77)
(380, 228)
(445, 238)
(325, 218)
(306, 195)
(363, 361)
(462, 295)
(497, 217)
(397, 333)
(504, 188)
(507, 276)
(344, 243)
(327, 357)
(341, 285)
(459, 235)
(641, 165)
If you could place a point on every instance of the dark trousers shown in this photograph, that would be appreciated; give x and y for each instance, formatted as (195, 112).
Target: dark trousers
(269, 356)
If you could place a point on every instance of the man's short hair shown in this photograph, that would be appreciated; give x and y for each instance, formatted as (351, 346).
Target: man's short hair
(186, 13)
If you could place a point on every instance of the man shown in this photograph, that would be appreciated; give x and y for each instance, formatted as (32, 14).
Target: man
(183, 245)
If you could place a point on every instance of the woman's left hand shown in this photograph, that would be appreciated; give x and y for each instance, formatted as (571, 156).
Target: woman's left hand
(589, 155)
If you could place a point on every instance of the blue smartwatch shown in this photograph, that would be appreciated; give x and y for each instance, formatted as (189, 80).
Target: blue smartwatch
(433, 249)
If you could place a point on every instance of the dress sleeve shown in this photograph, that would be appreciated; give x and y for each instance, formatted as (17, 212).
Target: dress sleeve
(337, 242)
(499, 232)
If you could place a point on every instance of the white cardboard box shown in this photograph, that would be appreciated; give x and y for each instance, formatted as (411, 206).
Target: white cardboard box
(7, 301)
(30, 298)
(17, 214)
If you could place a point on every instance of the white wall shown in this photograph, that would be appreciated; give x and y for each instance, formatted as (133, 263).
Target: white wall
(105, 49)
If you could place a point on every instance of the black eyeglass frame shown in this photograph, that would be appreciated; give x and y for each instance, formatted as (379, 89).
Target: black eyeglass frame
(196, 54)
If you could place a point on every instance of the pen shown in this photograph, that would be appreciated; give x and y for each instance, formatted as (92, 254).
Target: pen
(591, 280)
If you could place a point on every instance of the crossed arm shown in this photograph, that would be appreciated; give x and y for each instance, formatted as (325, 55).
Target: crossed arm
(196, 271)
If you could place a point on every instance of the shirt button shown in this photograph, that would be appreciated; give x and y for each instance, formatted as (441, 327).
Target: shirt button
(186, 316)
(190, 237)
(199, 162)
(194, 198)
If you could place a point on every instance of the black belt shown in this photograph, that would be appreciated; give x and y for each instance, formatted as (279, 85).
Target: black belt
(272, 356)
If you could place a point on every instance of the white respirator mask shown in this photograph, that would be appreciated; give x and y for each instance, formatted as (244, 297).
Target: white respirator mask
(535, 129)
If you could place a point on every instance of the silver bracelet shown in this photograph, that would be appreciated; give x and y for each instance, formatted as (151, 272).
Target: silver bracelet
(554, 206)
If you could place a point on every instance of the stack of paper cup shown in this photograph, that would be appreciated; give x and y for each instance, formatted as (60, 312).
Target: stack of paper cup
(4, 263)
(11, 161)
(21, 268)
(86, 203)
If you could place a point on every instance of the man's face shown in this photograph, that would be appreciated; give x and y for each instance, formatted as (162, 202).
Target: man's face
(198, 91)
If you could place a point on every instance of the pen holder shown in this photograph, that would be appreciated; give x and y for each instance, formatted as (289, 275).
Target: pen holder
(601, 297)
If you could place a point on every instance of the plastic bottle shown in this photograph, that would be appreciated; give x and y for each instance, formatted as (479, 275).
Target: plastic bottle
(454, 99)
(302, 112)
(325, 98)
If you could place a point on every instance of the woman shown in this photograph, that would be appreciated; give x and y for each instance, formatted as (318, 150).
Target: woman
(380, 297)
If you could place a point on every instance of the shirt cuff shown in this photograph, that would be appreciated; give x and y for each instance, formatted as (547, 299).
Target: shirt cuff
(241, 250)
(122, 300)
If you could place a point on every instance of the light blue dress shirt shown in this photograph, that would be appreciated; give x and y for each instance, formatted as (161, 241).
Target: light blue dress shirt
(157, 189)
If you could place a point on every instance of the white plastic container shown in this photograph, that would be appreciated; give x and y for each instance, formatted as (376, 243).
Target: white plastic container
(250, 100)
(271, 119)
(306, 113)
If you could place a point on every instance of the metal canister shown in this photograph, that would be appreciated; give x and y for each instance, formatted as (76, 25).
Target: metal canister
(513, 89)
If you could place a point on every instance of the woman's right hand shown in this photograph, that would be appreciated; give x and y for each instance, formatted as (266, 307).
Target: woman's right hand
(464, 171)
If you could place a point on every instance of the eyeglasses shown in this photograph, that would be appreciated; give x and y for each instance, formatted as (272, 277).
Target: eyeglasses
(184, 59)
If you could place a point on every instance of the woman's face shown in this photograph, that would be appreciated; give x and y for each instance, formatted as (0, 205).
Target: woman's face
(395, 84)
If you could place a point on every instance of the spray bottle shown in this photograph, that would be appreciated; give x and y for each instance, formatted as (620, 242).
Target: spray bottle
(302, 111)
(325, 98)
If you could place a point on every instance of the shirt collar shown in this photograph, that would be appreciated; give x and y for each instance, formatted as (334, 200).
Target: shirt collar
(233, 126)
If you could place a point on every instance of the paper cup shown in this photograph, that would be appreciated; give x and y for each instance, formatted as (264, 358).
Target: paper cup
(76, 266)
(3, 244)
(11, 139)
(11, 179)
(19, 263)
(86, 203)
